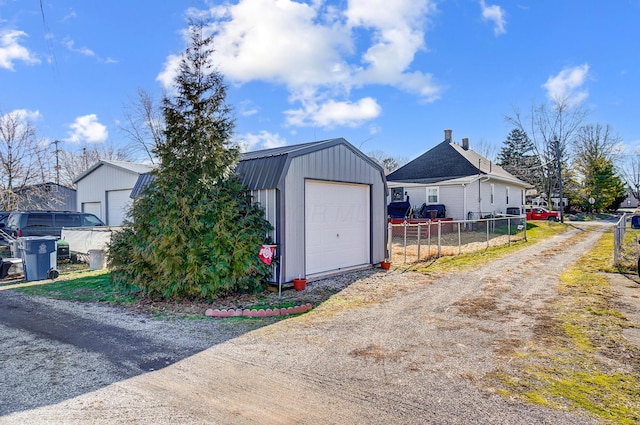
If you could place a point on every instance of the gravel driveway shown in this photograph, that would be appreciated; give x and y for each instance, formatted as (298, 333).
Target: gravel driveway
(397, 347)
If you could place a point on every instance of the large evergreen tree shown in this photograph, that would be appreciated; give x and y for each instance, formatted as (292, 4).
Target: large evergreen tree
(518, 157)
(595, 151)
(195, 232)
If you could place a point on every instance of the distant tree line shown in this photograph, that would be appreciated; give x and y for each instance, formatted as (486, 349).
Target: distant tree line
(562, 157)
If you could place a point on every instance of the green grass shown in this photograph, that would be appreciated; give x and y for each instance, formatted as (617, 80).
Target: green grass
(93, 286)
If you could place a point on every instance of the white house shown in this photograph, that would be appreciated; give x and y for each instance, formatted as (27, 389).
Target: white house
(105, 189)
(467, 184)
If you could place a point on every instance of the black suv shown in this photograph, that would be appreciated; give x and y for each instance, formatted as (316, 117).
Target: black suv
(47, 223)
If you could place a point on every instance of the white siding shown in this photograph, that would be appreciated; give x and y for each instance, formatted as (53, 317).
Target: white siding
(417, 196)
(453, 199)
(94, 187)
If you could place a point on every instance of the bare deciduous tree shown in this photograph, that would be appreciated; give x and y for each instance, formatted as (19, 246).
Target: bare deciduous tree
(552, 129)
(387, 162)
(72, 164)
(144, 124)
(21, 156)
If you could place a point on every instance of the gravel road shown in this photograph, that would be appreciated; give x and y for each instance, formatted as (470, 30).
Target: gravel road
(393, 346)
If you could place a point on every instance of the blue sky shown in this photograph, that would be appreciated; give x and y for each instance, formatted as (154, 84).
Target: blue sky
(386, 75)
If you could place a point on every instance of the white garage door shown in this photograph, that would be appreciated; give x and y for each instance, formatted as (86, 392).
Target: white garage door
(92, 208)
(118, 202)
(337, 226)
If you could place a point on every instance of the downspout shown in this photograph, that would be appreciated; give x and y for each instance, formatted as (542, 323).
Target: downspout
(464, 202)
(480, 181)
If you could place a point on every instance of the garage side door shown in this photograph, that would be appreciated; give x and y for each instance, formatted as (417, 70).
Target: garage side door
(92, 208)
(118, 202)
(337, 226)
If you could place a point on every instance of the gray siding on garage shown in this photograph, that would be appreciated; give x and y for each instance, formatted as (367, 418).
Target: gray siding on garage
(339, 164)
(276, 178)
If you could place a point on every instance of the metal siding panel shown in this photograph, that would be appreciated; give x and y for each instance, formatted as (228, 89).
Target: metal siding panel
(334, 164)
(267, 200)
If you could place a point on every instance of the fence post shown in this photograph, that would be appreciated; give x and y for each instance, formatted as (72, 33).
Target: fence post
(487, 223)
(419, 231)
(429, 238)
(439, 238)
(618, 238)
(459, 240)
(390, 242)
(405, 241)
(509, 230)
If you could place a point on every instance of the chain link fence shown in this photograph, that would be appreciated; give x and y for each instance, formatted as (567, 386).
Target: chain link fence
(618, 239)
(412, 241)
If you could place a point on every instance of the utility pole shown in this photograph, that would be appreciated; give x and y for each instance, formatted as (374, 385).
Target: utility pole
(55, 142)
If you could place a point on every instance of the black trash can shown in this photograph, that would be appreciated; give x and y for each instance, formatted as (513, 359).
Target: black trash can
(635, 222)
(38, 257)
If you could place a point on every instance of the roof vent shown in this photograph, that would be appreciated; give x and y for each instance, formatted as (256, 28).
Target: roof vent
(447, 135)
(465, 143)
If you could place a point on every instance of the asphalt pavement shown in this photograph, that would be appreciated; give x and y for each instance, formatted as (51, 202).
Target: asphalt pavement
(52, 350)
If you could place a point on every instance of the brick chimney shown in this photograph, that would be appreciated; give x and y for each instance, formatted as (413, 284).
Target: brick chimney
(465, 143)
(447, 135)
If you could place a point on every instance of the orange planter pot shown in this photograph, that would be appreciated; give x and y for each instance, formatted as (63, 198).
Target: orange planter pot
(385, 265)
(299, 284)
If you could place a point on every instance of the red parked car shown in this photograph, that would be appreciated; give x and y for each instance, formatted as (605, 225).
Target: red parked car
(539, 213)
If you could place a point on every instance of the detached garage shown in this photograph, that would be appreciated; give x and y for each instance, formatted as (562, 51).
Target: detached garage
(327, 203)
(105, 189)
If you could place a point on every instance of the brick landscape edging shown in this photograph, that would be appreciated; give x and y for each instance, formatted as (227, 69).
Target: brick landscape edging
(239, 312)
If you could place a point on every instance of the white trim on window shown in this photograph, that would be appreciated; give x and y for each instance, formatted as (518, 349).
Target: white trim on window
(433, 195)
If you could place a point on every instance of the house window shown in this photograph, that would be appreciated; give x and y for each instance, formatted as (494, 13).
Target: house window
(397, 194)
(493, 193)
(507, 193)
(433, 195)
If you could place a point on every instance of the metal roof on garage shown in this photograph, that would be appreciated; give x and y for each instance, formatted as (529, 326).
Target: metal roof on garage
(265, 169)
(130, 167)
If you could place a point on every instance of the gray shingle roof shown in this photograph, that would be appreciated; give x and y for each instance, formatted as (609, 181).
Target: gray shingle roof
(447, 161)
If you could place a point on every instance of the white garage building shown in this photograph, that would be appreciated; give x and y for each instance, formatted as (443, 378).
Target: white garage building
(105, 189)
(327, 203)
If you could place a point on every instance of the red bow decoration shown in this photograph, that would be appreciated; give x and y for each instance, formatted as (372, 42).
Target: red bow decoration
(266, 253)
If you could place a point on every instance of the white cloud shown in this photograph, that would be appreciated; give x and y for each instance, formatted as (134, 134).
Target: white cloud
(70, 45)
(25, 115)
(170, 71)
(310, 49)
(496, 15)
(87, 129)
(567, 85)
(263, 140)
(11, 51)
(397, 32)
(247, 108)
(332, 113)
